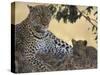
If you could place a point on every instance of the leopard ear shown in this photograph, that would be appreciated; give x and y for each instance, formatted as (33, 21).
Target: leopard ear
(85, 42)
(51, 8)
(30, 7)
(73, 41)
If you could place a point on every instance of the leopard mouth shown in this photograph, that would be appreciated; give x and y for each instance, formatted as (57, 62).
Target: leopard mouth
(41, 30)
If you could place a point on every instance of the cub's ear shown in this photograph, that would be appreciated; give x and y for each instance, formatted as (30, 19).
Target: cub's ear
(73, 41)
(85, 42)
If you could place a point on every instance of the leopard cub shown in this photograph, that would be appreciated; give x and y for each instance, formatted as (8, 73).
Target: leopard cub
(84, 55)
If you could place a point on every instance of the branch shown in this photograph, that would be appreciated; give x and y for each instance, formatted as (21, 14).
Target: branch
(84, 11)
(88, 18)
(93, 20)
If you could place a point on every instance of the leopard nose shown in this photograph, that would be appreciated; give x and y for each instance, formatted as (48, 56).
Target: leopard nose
(45, 22)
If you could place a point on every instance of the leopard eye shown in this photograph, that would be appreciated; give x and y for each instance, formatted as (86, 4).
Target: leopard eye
(38, 16)
(48, 14)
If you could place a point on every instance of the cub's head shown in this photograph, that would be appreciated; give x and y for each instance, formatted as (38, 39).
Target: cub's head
(79, 47)
(40, 17)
